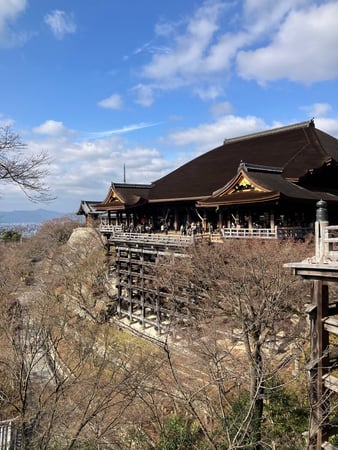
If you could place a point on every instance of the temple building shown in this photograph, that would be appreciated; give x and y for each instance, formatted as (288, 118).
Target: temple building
(263, 180)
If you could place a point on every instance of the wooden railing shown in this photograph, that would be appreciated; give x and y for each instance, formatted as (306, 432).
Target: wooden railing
(162, 238)
(297, 233)
(326, 242)
(331, 240)
(260, 233)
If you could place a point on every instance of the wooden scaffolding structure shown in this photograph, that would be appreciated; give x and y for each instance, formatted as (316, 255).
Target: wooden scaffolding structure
(140, 298)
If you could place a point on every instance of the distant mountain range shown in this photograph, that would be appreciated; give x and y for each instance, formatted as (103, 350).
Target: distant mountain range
(36, 216)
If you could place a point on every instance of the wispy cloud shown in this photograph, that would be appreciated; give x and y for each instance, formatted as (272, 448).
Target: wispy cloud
(60, 23)
(125, 129)
(149, 47)
(144, 94)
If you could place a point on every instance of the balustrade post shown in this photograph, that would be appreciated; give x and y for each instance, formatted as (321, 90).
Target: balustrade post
(320, 231)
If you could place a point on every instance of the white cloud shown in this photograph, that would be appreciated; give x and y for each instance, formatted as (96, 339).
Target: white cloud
(188, 53)
(317, 109)
(76, 164)
(206, 136)
(112, 102)
(9, 12)
(60, 23)
(144, 94)
(203, 49)
(189, 58)
(265, 16)
(261, 40)
(51, 128)
(304, 48)
(328, 125)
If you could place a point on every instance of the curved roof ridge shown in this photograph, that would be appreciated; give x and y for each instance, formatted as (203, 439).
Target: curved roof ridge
(130, 185)
(305, 124)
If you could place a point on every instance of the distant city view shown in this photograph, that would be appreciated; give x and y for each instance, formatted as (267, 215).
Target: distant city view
(28, 222)
(25, 229)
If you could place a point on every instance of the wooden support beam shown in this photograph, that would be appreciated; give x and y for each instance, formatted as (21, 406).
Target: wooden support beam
(331, 382)
(320, 363)
(331, 325)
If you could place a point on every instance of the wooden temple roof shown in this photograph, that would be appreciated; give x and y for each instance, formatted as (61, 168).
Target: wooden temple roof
(123, 195)
(296, 149)
(87, 207)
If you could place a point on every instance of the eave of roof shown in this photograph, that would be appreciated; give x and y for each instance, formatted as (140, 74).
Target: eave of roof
(86, 207)
(125, 195)
(175, 199)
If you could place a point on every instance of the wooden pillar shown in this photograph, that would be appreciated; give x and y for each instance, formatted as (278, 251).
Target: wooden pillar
(220, 219)
(319, 365)
(143, 311)
(118, 281)
(250, 224)
(158, 302)
(130, 285)
(176, 224)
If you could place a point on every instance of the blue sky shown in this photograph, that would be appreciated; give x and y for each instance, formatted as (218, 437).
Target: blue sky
(151, 84)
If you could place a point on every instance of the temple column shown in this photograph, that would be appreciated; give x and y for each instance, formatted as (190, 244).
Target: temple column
(250, 225)
(176, 224)
(220, 219)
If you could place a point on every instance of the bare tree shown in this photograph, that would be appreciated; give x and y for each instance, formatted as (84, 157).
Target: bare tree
(241, 288)
(27, 171)
(67, 379)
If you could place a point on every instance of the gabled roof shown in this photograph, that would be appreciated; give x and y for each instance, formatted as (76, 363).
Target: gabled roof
(257, 184)
(123, 196)
(87, 207)
(296, 149)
